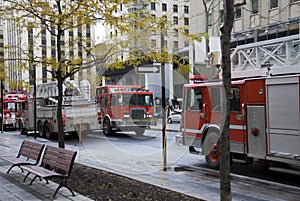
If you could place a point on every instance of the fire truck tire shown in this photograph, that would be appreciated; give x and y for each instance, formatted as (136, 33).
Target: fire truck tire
(211, 148)
(139, 131)
(169, 121)
(22, 129)
(106, 127)
(48, 131)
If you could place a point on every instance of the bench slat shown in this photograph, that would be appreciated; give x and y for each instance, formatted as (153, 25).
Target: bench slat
(29, 154)
(59, 160)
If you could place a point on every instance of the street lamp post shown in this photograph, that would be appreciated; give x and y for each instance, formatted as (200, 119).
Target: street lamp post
(34, 100)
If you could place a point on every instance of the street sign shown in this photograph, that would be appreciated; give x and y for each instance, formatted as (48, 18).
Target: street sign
(148, 68)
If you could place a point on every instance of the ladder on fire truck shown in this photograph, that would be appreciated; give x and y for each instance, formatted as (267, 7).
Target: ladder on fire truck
(272, 57)
(50, 90)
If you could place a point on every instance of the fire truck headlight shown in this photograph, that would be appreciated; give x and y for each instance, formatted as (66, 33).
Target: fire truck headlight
(126, 115)
(7, 116)
(149, 115)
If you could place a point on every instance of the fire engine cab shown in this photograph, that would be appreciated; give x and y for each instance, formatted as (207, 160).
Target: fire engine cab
(124, 108)
(264, 116)
(11, 110)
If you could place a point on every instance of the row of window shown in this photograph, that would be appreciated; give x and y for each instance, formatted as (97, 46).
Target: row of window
(273, 4)
(164, 7)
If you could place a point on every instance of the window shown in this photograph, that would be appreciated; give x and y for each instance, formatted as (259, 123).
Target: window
(175, 44)
(164, 7)
(235, 100)
(175, 32)
(194, 99)
(237, 12)
(186, 10)
(273, 4)
(209, 20)
(175, 8)
(152, 5)
(175, 20)
(215, 99)
(221, 17)
(186, 21)
(153, 43)
(254, 6)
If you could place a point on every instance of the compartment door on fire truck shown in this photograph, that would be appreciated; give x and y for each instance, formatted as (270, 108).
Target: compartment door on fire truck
(194, 116)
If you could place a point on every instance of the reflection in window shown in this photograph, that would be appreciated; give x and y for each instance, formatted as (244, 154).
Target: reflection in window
(235, 100)
(194, 99)
(215, 99)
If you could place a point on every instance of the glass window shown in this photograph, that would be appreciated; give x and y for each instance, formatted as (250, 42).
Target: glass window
(175, 8)
(237, 12)
(215, 99)
(235, 100)
(186, 9)
(186, 21)
(209, 20)
(152, 5)
(194, 99)
(254, 6)
(175, 20)
(273, 4)
(164, 7)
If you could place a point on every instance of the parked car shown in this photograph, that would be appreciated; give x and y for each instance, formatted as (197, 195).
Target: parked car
(174, 117)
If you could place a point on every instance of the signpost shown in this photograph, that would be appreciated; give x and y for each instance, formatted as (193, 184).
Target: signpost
(149, 68)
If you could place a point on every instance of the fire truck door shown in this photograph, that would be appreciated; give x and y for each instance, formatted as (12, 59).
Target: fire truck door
(238, 137)
(256, 131)
(194, 115)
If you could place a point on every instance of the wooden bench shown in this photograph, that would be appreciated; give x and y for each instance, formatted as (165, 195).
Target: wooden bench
(56, 163)
(29, 154)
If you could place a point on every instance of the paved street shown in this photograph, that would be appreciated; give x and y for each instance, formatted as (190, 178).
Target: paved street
(199, 183)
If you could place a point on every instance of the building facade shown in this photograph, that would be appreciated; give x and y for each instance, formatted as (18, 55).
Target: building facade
(26, 43)
(254, 21)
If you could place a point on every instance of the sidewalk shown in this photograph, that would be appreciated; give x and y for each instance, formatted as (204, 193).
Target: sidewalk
(189, 182)
(12, 186)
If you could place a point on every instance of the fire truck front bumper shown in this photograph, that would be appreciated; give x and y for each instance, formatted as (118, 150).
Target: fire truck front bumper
(9, 123)
(134, 122)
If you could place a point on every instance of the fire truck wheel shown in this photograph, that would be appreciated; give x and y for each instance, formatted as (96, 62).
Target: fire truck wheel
(47, 131)
(22, 129)
(212, 150)
(169, 121)
(41, 130)
(106, 127)
(139, 131)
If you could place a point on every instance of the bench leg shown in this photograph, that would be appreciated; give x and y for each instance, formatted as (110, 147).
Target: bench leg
(26, 176)
(33, 179)
(63, 183)
(11, 167)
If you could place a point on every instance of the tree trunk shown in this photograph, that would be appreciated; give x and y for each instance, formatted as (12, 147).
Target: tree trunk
(61, 134)
(226, 73)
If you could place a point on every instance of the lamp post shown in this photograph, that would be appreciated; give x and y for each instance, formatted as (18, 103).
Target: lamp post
(34, 99)
(2, 113)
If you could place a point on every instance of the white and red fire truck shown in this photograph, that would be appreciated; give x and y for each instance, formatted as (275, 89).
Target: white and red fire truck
(78, 111)
(11, 110)
(264, 114)
(125, 108)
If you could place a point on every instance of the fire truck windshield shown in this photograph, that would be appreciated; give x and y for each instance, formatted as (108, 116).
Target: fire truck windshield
(135, 100)
(10, 106)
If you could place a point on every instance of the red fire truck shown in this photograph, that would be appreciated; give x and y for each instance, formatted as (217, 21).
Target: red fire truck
(11, 110)
(124, 108)
(264, 120)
